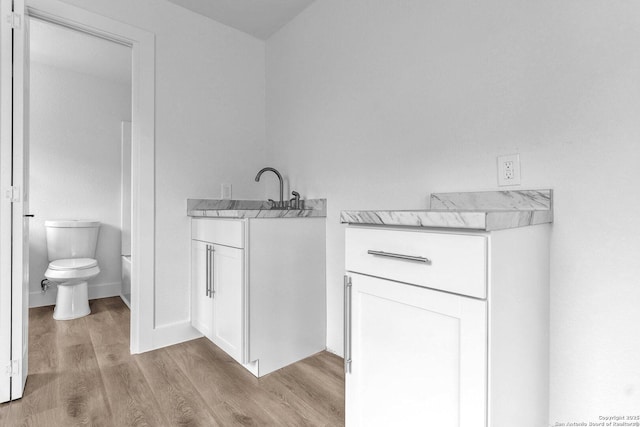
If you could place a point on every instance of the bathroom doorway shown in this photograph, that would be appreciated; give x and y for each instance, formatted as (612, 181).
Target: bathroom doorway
(142, 44)
(79, 150)
(137, 134)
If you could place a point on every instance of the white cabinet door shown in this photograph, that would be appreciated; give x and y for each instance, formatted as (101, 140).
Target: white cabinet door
(419, 357)
(228, 301)
(217, 299)
(201, 297)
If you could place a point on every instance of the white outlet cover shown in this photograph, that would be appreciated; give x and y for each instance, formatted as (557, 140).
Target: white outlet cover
(225, 190)
(504, 177)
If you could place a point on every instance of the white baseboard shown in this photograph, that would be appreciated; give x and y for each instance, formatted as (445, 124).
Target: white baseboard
(174, 333)
(105, 290)
(97, 290)
(332, 351)
(125, 300)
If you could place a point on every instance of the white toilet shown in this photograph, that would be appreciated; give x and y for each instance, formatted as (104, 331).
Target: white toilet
(71, 246)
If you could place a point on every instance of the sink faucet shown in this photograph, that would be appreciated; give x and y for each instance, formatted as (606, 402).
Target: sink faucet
(263, 170)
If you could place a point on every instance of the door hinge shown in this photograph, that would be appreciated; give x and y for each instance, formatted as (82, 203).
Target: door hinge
(13, 194)
(15, 20)
(13, 368)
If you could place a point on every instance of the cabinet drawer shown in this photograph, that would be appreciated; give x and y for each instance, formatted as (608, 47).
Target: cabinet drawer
(228, 232)
(450, 262)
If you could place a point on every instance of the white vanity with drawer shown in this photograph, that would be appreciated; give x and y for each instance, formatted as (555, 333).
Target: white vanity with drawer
(449, 326)
(258, 285)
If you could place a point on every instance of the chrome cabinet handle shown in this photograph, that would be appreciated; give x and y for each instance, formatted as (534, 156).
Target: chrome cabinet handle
(212, 288)
(208, 273)
(400, 256)
(347, 324)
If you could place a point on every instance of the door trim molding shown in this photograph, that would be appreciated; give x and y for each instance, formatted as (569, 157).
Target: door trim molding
(142, 157)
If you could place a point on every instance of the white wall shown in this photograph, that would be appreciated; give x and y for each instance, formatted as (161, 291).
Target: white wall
(375, 104)
(210, 112)
(75, 166)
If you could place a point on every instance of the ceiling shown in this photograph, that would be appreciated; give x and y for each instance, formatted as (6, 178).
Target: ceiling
(74, 50)
(260, 18)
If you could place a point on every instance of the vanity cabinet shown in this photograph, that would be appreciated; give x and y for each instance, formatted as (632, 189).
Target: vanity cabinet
(446, 328)
(258, 288)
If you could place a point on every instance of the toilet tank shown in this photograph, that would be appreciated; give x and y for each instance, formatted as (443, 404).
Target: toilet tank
(71, 239)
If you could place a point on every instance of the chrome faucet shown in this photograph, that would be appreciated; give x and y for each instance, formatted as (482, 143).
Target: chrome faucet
(263, 170)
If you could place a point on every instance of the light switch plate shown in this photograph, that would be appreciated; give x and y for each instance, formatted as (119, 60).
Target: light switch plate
(509, 170)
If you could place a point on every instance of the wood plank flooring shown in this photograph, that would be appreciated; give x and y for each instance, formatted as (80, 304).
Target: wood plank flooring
(81, 373)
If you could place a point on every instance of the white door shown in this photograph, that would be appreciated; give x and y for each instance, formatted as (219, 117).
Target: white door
(227, 300)
(201, 279)
(419, 357)
(6, 101)
(20, 176)
(14, 236)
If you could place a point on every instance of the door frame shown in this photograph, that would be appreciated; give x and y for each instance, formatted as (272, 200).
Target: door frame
(142, 45)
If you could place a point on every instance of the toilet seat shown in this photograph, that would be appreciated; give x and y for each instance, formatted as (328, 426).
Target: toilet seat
(64, 270)
(72, 264)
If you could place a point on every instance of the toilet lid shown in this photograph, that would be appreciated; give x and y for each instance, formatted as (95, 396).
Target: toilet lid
(73, 264)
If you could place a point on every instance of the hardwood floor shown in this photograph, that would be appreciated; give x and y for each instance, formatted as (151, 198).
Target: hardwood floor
(81, 373)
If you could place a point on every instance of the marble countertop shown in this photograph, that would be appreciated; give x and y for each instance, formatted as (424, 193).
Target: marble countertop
(214, 208)
(486, 211)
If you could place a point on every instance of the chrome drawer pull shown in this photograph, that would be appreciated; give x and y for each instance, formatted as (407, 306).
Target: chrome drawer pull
(212, 275)
(208, 273)
(347, 324)
(400, 256)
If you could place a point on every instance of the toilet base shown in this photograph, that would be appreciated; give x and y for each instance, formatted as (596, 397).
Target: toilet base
(72, 301)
